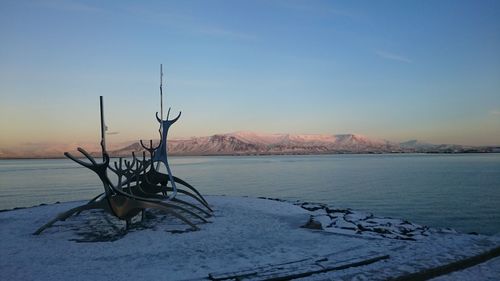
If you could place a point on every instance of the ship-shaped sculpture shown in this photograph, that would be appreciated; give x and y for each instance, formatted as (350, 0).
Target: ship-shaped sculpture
(140, 185)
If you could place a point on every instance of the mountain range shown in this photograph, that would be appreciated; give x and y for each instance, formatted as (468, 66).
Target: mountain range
(251, 143)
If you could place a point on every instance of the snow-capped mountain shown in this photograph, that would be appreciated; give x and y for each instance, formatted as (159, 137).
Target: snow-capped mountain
(251, 143)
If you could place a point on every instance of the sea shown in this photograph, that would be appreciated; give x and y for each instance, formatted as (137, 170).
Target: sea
(459, 191)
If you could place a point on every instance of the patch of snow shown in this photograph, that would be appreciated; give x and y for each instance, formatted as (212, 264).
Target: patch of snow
(487, 271)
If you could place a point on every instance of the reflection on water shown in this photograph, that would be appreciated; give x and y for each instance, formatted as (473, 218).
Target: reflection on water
(459, 191)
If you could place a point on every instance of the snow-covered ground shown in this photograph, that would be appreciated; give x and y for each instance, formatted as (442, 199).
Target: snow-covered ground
(244, 233)
(489, 270)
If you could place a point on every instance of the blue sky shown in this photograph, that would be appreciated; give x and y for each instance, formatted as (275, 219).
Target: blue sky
(396, 70)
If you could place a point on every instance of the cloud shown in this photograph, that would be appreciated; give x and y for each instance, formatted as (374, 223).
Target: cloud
(69, 5)
(316, 9)
(221, 32)
(161, 16)
(495, 112)
(184, 22)
(393, 56)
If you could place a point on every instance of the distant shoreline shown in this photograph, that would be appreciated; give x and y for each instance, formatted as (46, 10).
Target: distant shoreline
(272, 154)
(253, 144)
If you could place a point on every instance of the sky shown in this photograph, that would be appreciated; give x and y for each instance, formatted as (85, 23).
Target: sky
(395, 70)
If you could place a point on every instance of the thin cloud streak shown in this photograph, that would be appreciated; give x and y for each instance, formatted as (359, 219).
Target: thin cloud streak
(221, 32)
(324, 10)
(172, 19)
(69, 5)
(185, 23)
(393, 56)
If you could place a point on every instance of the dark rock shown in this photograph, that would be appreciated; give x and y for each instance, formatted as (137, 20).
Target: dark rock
(312, 207)
(381, 230)
(312, 224)
(362, 228)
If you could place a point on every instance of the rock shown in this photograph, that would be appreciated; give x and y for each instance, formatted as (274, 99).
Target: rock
(312, 224)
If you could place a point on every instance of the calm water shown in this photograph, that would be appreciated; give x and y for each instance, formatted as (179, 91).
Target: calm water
(459, 191)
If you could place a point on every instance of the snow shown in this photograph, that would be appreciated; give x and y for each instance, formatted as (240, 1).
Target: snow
(489, 270)
(243, 234)
(347, 221)
(275, 139)
(258, 138)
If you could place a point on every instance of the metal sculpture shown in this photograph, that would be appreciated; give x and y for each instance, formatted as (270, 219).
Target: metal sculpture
(139, 184)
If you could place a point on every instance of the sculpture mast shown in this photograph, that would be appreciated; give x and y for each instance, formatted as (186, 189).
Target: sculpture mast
(161, 91)
(103, 127)
(161, 107)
